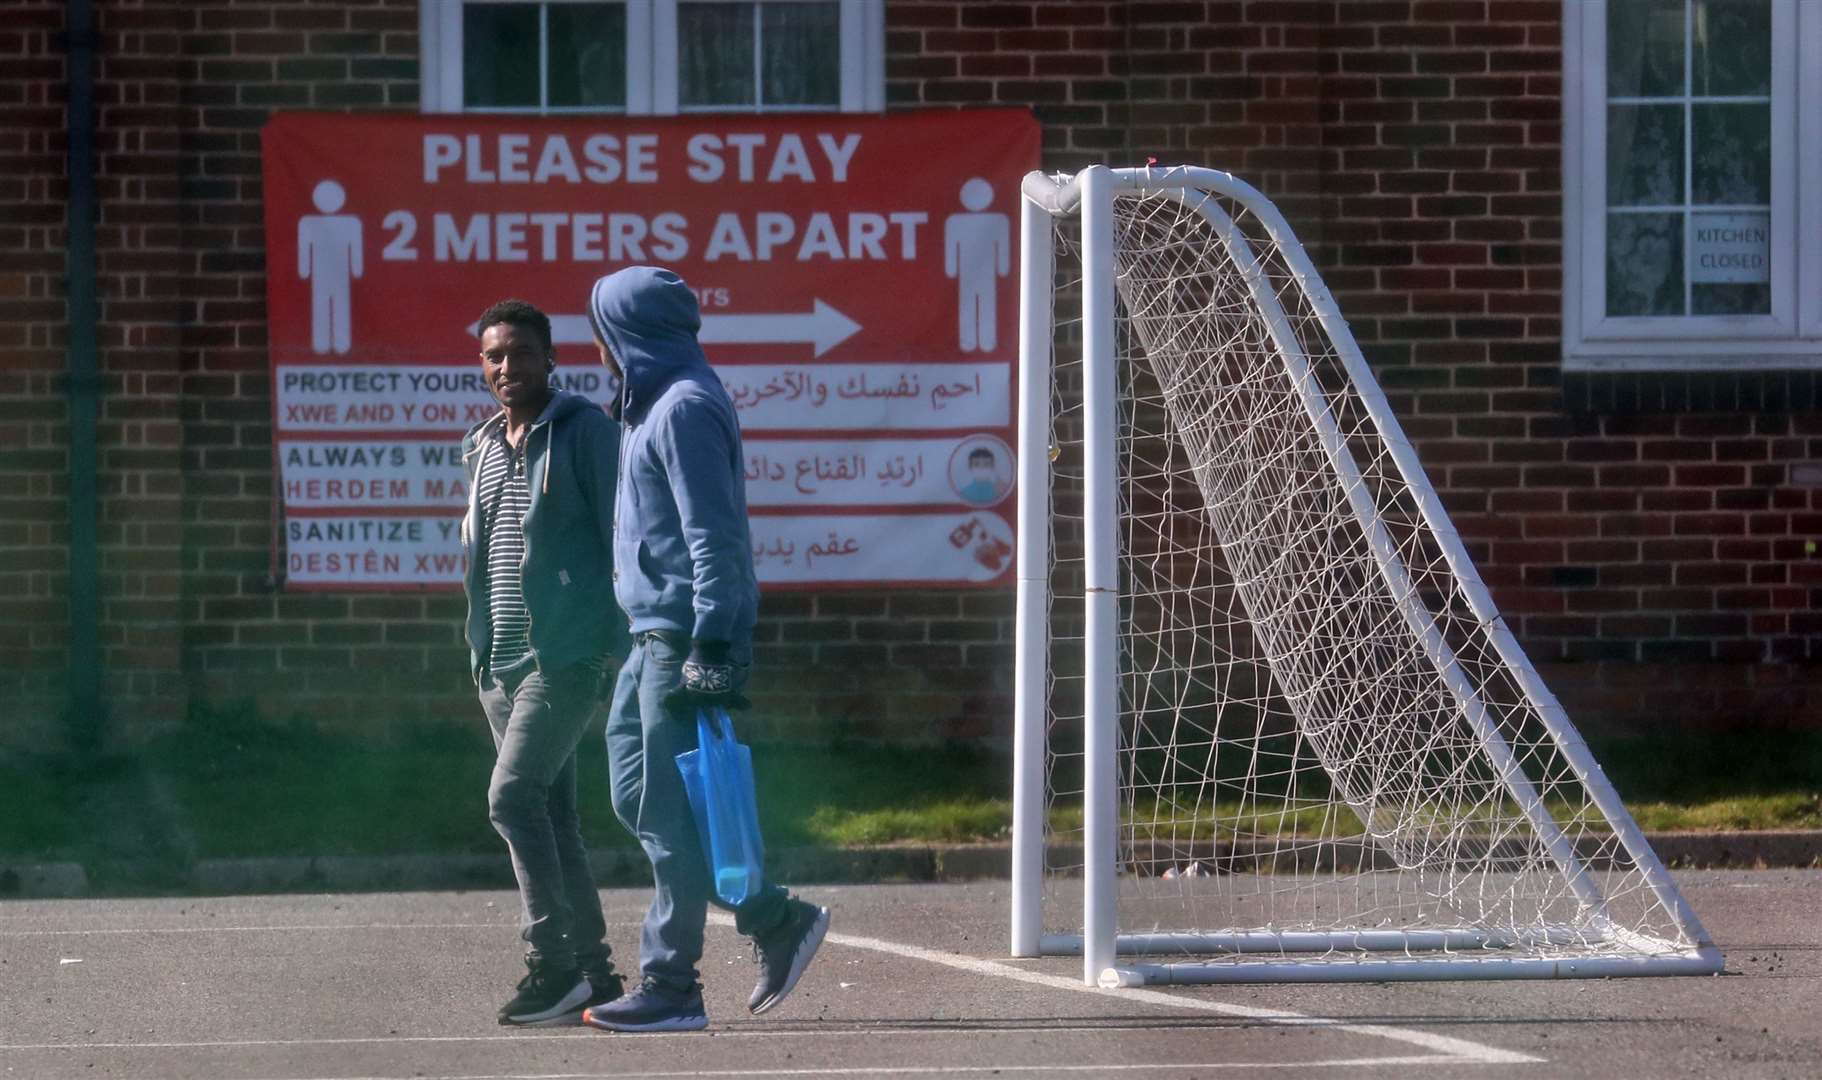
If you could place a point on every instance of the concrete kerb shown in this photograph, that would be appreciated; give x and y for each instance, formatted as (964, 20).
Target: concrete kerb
(627, 868)
(50, 880)
(1739, 850)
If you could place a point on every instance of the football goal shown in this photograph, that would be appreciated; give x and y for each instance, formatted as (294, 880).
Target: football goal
(1270, 726)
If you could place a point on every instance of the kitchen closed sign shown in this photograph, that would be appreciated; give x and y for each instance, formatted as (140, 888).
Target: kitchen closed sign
(1730, 248)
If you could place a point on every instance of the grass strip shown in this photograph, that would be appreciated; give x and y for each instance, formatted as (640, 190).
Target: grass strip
(233, 785)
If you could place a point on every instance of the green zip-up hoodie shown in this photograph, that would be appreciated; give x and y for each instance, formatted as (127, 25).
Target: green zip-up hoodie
(572, 453)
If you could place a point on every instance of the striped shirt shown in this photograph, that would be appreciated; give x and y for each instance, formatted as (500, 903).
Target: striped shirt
(504, 498)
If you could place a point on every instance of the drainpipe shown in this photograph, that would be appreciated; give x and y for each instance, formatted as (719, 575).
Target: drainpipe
(83, 382)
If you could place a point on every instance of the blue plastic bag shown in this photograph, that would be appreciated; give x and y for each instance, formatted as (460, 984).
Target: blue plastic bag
(718, 778)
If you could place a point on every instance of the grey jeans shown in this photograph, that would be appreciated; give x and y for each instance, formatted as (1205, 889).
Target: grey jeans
(537, 720)
(643, 741)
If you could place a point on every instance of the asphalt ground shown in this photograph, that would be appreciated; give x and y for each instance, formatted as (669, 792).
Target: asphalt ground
(913, 981)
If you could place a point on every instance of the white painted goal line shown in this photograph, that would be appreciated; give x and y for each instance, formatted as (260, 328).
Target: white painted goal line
(1459, 1051)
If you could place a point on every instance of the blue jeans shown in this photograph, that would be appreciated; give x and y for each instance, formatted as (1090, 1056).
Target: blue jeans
(537, 719)
(643, 741)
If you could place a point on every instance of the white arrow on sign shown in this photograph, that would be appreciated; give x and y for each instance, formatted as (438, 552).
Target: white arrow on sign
(822, 328)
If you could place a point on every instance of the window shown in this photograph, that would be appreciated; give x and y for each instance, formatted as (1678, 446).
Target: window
(652, 56)
(1692, 152)
(758, 54)
(544, 57)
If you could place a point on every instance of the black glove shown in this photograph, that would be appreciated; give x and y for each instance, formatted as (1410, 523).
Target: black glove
(708, 679)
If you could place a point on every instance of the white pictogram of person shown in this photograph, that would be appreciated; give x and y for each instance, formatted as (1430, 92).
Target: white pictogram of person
(977, 252)
(329, 258)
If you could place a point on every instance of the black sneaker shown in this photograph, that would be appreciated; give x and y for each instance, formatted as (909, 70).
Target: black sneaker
(785, 952)
(605, 984)
(652, 1007)
(547, 996)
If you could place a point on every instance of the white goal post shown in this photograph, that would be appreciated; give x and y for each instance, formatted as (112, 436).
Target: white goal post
(1269, 725)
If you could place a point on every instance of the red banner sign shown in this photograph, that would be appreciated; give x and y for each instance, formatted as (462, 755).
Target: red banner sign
(858, 283)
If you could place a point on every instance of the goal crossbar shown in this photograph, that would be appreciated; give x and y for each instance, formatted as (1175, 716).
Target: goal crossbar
(1222, 250)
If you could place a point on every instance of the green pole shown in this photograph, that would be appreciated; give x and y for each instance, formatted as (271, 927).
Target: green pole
(85, 675)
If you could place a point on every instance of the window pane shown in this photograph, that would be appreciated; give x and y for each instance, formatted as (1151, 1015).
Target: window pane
(1732, 161)
(500, 56)
(1732, 47)
(1645, 48)
(715, 54)
(587, 55)
(1644, 155)
(1730, 300)
(1644, 264)
(800, 47)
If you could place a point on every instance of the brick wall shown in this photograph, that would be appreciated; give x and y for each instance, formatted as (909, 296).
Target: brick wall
(185, 453)
(189, 609)
(1651, 557)
(33, 429)
(184, 90)
(1649, 548)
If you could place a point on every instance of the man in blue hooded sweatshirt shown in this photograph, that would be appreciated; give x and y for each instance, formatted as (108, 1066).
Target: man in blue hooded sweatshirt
(684, 575)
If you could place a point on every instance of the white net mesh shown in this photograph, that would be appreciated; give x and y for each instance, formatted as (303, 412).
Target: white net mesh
(1317, 734)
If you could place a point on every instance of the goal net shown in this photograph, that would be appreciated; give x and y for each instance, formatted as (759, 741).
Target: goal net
(1270, 725)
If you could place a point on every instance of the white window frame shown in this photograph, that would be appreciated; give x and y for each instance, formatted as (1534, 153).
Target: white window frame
(1791, 336)
(651, 32)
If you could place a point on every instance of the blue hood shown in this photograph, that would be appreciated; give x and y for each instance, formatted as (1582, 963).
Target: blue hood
(649, 319)
(683, 554)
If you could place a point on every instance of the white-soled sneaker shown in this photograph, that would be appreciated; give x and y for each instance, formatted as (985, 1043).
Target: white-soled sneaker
(652, 1007)
(547, 996)
(784, 953)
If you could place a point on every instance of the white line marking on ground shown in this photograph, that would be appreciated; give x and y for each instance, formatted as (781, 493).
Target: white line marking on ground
(583, 1034)
(1455, 1051)
(937, 1070)
(509, 919)
(1461, 1050)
